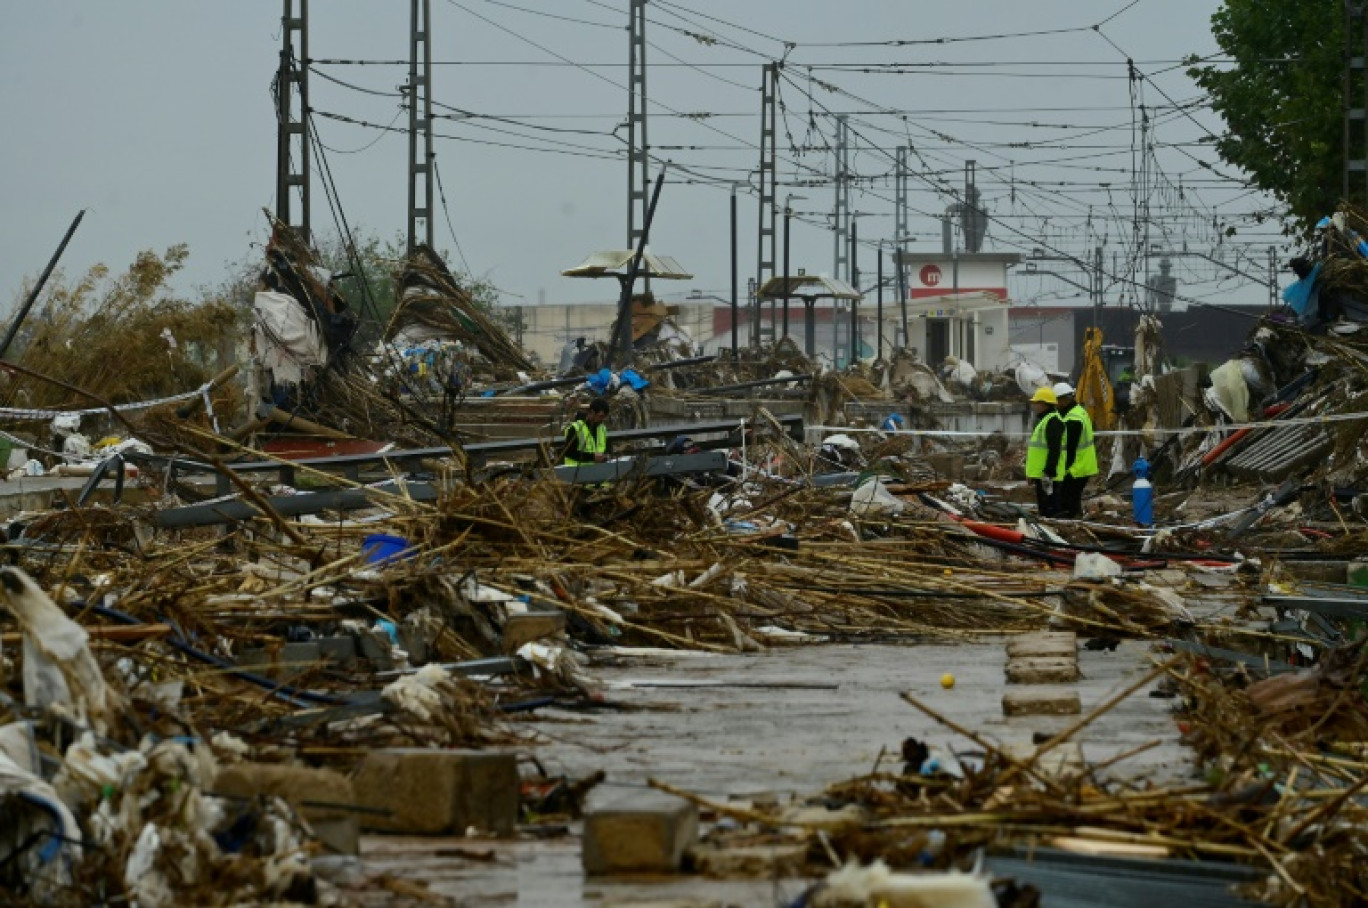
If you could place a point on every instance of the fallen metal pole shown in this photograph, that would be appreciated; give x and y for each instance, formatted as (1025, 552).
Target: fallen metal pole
(759, 383)
(620, 352)
(38, 287)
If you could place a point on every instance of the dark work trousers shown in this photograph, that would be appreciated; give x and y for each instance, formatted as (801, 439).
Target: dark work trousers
(1070, 492)
(1046, 505)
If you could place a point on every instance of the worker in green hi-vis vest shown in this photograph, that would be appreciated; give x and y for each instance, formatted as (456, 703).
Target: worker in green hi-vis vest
(586, 439)
(1043, 452)
(1080, 454)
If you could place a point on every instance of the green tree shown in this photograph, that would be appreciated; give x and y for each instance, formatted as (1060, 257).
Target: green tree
(1281, 97)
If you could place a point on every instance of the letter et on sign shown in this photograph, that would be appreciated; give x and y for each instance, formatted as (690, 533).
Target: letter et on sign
(930, 275)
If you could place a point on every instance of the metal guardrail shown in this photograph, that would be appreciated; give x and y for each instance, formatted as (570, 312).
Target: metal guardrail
(351, 465)
(211, 513)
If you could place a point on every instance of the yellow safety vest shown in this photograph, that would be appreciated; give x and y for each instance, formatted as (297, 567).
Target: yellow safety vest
(1038, 450)
(590, 442)
(1085, 456)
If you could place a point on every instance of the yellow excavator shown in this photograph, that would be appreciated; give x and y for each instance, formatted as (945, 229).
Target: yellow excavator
(1094, 389)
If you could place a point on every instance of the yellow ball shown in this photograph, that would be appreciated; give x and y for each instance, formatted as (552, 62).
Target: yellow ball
(947, 680)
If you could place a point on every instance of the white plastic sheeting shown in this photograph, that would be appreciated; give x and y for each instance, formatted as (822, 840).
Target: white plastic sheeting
(59, 670)
(287, 339)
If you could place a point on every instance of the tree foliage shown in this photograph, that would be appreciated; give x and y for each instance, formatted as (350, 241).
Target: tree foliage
(127, 337)
(1281, 97)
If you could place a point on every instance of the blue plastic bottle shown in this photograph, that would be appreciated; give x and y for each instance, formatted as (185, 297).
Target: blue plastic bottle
(1142, 494)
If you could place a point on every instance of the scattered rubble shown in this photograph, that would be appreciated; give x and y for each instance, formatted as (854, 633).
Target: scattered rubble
(237, 646)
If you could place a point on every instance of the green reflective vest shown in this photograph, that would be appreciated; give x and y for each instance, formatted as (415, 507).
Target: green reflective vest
(1038, 450)
(590, 440)
(1085, 457)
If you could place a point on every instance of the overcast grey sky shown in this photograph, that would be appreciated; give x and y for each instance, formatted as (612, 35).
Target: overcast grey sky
(156, 115)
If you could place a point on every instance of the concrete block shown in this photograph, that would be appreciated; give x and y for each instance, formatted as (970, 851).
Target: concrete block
(321, 796)
(751, 862)
(435, 792)
(1043, 644)
(1041, 701)
(339, 650)
(283, 662)
(529, 626)
(642, 833)
(1042, 670)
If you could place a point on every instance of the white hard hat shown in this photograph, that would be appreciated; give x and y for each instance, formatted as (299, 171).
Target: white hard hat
(1063, 389)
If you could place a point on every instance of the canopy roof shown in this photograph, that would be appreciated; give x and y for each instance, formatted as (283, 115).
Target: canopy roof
(615, 262)
(808, 286)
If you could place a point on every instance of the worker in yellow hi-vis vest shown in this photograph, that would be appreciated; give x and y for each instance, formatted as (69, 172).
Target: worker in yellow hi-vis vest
(1043, 452)
(1080, 454)
(586, 439)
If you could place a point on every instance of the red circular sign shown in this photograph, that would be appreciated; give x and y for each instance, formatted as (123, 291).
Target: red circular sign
(930, 275)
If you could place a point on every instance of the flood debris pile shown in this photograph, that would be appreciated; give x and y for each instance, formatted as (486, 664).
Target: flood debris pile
(105, 793)
(304, 644)
(433, 306)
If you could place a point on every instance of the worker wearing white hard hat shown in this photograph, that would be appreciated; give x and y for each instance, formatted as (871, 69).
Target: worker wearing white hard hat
(1043, 452)
(1079, 455)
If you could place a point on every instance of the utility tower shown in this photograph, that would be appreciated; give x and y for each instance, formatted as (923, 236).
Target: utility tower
(292, 131)
(638, 149)
(973, 219)
(420, 175)
(841, 215)
(1355, 186)
(769, 187)
(899, 217)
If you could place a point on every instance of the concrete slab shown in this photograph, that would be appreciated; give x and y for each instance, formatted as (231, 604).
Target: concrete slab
(1061, 643)
(1042, 670)
(42, 493)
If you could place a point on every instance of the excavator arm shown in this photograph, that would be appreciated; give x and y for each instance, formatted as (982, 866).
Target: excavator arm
(1094, 390)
